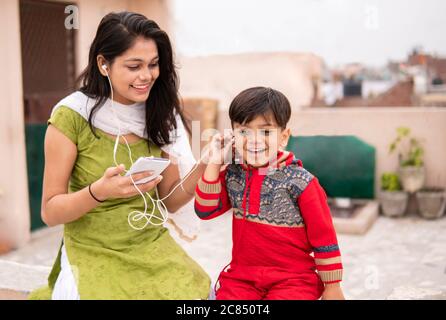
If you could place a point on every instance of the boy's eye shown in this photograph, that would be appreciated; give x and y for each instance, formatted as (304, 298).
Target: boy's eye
(133, 67)
(243, 132)
(265, 132)
(153, 65)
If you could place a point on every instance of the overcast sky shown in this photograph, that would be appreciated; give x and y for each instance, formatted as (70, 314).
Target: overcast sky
(340, 31)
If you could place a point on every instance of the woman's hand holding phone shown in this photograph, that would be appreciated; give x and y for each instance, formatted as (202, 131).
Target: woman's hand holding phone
(113, 185)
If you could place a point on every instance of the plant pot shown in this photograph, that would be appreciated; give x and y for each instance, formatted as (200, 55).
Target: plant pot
(431, 202)
(412, 178)
(393, 203)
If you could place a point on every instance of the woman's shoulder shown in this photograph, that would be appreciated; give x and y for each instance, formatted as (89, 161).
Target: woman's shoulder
(73, 107)
(64, 110)
(77, 103)
(65, 116)
(68, 115)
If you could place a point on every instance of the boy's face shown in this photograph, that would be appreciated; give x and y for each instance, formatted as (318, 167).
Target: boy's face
(259, 140)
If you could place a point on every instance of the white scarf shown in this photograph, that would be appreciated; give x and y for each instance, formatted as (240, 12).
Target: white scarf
(132, 120)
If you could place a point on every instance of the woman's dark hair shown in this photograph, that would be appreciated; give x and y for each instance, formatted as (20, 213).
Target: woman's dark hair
(116, 33)
(260, 101)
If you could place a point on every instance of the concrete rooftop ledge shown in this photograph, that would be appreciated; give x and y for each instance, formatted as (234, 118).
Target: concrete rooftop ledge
(361, 221)
(17, 279)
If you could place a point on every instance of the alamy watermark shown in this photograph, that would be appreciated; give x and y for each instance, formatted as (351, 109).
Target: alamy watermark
(72, 20)
(371, 21)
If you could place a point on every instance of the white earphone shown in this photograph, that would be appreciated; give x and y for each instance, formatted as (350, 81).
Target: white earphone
(136, 215)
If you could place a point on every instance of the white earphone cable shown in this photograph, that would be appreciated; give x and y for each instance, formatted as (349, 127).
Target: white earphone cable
(136, 215)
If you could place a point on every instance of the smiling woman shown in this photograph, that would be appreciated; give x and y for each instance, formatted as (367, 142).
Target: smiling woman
(130, 78)
(139, 62)
(134, 72)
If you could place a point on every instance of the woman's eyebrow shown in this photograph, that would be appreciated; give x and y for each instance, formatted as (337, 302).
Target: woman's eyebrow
(139, 59)
(134, 59)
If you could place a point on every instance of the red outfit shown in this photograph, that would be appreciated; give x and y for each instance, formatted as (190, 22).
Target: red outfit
(280, 217)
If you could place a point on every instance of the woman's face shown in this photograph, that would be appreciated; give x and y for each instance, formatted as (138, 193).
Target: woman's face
(134, 72)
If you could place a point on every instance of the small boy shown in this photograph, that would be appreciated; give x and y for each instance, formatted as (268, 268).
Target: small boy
(280, 211)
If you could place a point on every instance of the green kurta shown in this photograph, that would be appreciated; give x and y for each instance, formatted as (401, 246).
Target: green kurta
(110, 259)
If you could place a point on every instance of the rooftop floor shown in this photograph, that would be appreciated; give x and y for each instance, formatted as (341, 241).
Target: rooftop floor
(396, 259)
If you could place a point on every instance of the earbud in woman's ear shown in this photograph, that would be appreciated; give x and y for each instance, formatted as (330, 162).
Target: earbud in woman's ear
(105, 68)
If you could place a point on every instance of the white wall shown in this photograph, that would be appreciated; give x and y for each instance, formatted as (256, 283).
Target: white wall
(14, 202)
(222, 77)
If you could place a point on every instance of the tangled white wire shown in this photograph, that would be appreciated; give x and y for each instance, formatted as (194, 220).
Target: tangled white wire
(137, 215)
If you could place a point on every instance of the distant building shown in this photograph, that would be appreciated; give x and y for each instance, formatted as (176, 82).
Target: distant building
(419, 81)
(431, 89)
(435, 66)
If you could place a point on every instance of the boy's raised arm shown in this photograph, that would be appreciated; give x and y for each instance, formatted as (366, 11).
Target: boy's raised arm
(211, 197)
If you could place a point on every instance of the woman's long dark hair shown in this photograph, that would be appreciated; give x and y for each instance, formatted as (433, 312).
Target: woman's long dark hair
(116, 33)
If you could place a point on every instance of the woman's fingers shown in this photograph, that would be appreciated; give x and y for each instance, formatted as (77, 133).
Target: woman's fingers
(140, 175)
(113, 171)
(146, 187)
(151, 184)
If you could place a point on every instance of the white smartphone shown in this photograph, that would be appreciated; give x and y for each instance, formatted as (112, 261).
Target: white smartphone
(157, 165)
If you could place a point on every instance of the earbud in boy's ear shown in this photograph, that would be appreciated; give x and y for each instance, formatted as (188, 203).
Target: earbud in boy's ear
(104, 67)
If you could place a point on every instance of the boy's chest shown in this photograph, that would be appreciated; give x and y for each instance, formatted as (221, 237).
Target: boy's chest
(269, 199)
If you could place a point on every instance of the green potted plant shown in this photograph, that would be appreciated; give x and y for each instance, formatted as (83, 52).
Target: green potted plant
(392, 198)
(410, 158)
(431, 202)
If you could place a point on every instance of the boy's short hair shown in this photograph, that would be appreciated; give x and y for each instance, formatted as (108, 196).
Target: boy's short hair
(256, 101)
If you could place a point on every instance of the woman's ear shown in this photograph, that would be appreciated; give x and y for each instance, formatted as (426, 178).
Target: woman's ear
(100, 60)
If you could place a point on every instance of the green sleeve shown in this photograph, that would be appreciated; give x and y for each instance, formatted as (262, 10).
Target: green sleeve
(67, 121)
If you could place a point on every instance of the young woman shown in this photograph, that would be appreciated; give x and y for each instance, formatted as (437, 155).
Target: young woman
(129, 91)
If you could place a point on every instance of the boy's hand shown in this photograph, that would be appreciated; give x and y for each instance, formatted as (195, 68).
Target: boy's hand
(220, 149)
(333, 291)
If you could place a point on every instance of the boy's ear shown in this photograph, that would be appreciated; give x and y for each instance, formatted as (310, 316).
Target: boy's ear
(285, 136)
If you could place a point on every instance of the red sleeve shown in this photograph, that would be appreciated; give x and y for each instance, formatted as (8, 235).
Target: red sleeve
(211, 197)
(320, 231)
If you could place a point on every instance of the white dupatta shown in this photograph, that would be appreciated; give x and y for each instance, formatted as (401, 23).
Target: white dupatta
(132, 118)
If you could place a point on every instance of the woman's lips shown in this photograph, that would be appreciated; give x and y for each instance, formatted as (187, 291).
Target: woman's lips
(141, 88)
